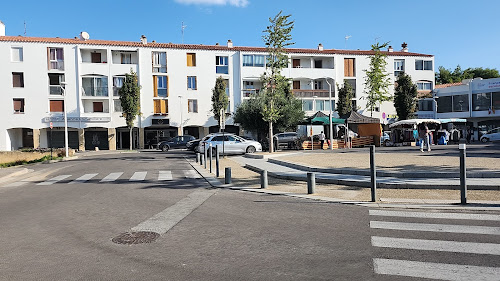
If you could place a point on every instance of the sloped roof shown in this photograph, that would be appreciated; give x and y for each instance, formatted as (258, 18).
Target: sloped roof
(440, 86)
(356, 118)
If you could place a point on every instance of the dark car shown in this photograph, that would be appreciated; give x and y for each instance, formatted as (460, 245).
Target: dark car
(191, 145)
(287, 139)
(153, 143)
(175, 142)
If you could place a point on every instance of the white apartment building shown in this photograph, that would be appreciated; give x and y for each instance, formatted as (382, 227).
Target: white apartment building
(176, 83)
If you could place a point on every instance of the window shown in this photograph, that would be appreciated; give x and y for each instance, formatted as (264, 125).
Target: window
(126, 58)
(56, 106)
(296, 63)
(98, 106)
(349, 68)
(424, 86)
(56, 58)
(95, 86)
(481, 101)
(221, 65)
(159, 62)
(17, 80)
(160, 106)
(160, 84)
(460, 103)
(254, 60)
(495, 100)
(320, 105)
(117, 84)
(18, 105)
(318, 85)
(318, 63)
(444, 104)
(191, 82)
(193, 106)
(327, 105)
(95, 57)
(117, 105)
(423, 65)
(296, 85)
(191, 59)
(352, 83)
(16, 54)
(55, 80)
(399, 67)
(307, 105)
(425, 105)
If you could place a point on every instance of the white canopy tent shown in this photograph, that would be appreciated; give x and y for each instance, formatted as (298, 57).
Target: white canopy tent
(413, 122)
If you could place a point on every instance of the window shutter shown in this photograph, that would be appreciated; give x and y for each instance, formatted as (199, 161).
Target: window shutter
(48, 58)
(98, 107)
(163, 108)
(155, 86)
(56, 106)
(157, 106)
(167, 85)
(17, 105)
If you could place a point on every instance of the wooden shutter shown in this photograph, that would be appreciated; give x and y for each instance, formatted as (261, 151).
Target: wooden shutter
(56, 106)
(167, 86)
(296, 85)
(98, 106)
(191, 59)
(18, 105)
(349, 68)
(95, 57)
(163, 106)
(296, 63)
(155, 86)
(157, 106)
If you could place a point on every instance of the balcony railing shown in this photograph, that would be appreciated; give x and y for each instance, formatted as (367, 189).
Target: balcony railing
(249, 92)
(95, 91)
(312, 93)
(57, 65)
(55, 90)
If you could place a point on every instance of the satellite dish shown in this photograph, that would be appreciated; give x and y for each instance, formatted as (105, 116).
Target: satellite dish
(84, 35)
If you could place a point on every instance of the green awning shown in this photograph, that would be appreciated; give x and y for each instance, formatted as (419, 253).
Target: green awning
(324, 120)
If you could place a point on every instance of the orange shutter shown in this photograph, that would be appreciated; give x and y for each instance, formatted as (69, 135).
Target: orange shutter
(56, 106)
(157, 106)
(163, 108)
(166, 106)
(155, 86)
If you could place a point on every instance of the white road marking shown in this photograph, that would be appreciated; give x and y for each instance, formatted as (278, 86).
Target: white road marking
(436, 227)
(54, 180)
(83, 178)
(111, 177)
(165, 176)
(191, 174)
(439, 271)
(457, 216)
(168, 218)
(138, 176)
(437, 245)
(19, 183)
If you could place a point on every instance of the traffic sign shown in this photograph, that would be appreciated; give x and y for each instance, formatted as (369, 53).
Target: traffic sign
(51, 125)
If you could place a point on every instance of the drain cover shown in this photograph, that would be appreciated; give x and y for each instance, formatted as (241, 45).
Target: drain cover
(136, 237)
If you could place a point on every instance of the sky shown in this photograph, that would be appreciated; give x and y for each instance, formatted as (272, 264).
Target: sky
(456, 32)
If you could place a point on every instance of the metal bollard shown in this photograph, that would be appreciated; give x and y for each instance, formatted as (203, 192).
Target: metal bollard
(217, 161)
(227, 175)
(205, 155)
(311, 182)
(263, 179)
(373, 174)
(463, 174)
(197, 157)
(211, 156)
(201, 159)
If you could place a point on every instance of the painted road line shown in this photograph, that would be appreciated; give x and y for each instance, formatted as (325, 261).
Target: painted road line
(168, 218)
(111, 177)
(165, 176)
(191, 174)
(455, 216)
(436, 245)
(83, 178)
(54, 180)
(436, 227)
(138, 176)
(19, 183)
(439, 271)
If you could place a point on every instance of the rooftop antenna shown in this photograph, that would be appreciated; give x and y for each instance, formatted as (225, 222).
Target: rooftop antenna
(24, 28)
(182, 30)
(346, 38)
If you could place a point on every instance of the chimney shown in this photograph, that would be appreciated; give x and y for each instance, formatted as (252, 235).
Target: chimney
(320, 47)
(217, 44)
(405, 47)
(144, 40)
(229, 43)
(390, 49)
(2, 29)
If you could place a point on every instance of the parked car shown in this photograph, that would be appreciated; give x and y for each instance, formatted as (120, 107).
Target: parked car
(385, 139)
(493, 135)
(287, 139)
(233, 144)
(191, 145)
(175, 142)
(153, 143)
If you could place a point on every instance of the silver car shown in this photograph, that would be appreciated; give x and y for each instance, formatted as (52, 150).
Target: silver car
(233, 144)
(493, 135)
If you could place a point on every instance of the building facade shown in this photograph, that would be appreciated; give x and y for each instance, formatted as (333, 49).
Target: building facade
(40, 78)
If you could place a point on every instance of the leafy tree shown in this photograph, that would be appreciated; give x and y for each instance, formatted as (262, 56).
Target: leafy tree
(377, 80)
(445, 76)
(130, 94)
(220, 100)
(344, 101)
(405, 96)
(276, 38)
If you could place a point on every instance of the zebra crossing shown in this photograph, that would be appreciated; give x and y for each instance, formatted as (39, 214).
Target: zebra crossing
(159, 176)
(390, 225)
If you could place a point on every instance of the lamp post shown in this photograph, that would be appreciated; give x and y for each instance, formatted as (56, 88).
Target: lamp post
(63, 87)
(330, 146)
(180, 123)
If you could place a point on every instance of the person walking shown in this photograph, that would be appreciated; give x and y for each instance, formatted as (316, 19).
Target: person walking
(322, 139)
(423, 133)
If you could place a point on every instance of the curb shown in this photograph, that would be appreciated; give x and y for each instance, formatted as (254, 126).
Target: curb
(214, 182)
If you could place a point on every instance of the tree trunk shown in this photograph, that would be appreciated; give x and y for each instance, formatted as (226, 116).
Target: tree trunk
(271, 140)
(131, 146)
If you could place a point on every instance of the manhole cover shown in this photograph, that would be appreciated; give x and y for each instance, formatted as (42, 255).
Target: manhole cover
(136, 237)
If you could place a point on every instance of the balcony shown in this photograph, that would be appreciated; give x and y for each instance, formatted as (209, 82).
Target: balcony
(249, 92)
(95, 91)
(55, 90)
(57, 65)
(299, 93)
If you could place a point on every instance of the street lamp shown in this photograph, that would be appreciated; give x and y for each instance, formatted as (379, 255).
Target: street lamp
(63, 87)
(331, 114)
(180, 123)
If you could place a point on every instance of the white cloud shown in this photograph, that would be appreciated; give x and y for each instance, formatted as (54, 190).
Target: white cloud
(237, 3)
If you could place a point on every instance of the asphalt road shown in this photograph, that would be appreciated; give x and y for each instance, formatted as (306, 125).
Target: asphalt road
(56, 228)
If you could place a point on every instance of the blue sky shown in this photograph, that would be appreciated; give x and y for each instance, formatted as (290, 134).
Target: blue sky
(455, 31)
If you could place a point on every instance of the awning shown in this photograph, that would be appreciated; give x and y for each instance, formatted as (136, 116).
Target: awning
(325, 121)
(355, 118)
(414, 122)
(453, 120)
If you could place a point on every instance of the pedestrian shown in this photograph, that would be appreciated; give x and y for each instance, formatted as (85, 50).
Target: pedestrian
(423, 133)
(469, 136)
(322, 139)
